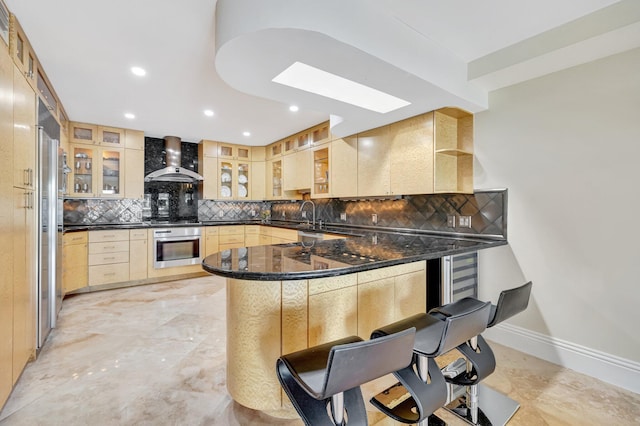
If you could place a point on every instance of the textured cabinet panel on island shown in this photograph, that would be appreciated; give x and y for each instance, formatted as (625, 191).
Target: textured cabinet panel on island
(377, 301)
(333, 315)
(374, 148)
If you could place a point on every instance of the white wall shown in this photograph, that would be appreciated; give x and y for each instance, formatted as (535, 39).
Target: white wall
(567, 146)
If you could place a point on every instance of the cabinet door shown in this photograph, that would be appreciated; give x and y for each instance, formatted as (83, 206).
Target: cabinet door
(6, 223)
(138, 259)
(333, 315)
(410, 294)
(134, 174)
(134, 139)
(375, 305)
(321, 173)
(111, 136)
(225, 177)
(373, 162)
(83, 133)
(74, 267)
(274, 179)
(344, 167)
(24, 132)
(211, 245)
(24, 279)
(258, 189)
(297, 171)
(209, 171)
(411, 155)
(23, 54)
(83, 162)
(111, 173)
(243, 176)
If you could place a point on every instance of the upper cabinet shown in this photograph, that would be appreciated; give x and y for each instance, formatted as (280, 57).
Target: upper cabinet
(92, 134)
(453, 151)
(429, 153)
(96, 171)
(22, 53)
(234, 152)
(235, 179)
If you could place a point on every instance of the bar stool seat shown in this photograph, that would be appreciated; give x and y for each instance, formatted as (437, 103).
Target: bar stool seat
(436, 334)
(480, 361)
(330, 375)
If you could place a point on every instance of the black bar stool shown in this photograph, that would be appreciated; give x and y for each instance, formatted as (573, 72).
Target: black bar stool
(480, 363)
(327, 378)
(436, 333)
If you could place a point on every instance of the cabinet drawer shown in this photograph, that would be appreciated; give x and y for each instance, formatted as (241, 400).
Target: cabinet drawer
(108, 258)
(285, 234)
(74, 238)
(251, 229)
(138, 234)
(231, 239)
(109, 247)
(231, 230)
(115, 235)
(211, 230)
(105, 274)
(391, 271)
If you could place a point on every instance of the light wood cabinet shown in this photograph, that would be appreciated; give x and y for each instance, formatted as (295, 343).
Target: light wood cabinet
(374, 164)
(235, 179)
(6, 223)
(211, 240)
(274, 150)
(343, 167)
(274, 179)
(297, 171)
(98, 172)
(24, 132)
(230, 237)
(22, 53)
(234, 152)
(91, 134)
(453, 151)
(74, 261)
(134, 139)
(83, 133)
(134, 174)
(138, 254)
(24, 279)
(108, 257)
(208, 169)
(333, 315)
(258, 187)
(411, 156)
(111, 136)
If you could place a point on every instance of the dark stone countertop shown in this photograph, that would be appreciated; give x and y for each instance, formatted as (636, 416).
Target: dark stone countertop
(365, 251)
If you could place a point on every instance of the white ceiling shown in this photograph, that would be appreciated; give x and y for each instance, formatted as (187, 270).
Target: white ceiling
(436, 53)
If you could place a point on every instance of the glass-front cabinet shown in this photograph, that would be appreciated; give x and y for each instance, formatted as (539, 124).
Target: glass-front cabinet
(321, 173)
(234, 178)
(96, 171)
(274, 179)
(111, 172)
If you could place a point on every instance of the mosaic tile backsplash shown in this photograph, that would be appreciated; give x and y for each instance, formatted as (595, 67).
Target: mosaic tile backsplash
(423, 212)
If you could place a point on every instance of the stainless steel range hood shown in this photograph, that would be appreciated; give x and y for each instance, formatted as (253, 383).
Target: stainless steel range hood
(174, 172)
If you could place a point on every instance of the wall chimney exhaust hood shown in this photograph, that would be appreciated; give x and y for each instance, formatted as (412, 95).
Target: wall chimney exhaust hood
(174, 172)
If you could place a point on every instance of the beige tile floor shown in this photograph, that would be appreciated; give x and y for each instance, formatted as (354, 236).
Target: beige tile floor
(155, 355)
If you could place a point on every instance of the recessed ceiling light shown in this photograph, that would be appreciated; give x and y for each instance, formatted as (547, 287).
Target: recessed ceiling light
(310, 79)
(129, 116)
(138, 71)
(208, 113)
(293, 108)
(246, 133)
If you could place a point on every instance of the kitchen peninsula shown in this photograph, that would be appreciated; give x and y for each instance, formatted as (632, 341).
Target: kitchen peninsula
(287, 297)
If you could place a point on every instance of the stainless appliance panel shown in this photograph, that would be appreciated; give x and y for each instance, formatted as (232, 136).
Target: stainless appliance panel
(176, 247)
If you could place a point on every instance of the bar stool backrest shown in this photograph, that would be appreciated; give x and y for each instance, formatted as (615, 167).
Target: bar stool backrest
(510, 303)
(461, 327)
(353, 364)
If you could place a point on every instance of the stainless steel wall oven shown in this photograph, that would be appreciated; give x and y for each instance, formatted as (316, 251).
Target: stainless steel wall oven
(176, 247)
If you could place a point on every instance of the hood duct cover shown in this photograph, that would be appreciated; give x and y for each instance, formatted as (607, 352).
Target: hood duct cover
(174, 172)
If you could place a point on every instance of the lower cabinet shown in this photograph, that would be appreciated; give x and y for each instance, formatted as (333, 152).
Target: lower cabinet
(230, 237)
(138, 249)
(74, 261)
(211, 240)
(108, 257)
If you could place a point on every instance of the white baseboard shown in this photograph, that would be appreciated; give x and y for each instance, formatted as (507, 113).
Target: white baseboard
(606, 367)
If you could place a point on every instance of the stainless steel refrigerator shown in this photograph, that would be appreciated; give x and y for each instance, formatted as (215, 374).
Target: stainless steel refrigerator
(52, 172)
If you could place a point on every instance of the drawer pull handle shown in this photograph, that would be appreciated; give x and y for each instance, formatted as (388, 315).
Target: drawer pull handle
(107, 274)
(109, 258)
(109, 247)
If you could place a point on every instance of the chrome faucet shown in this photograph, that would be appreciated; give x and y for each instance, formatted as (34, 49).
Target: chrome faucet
(313, 223)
